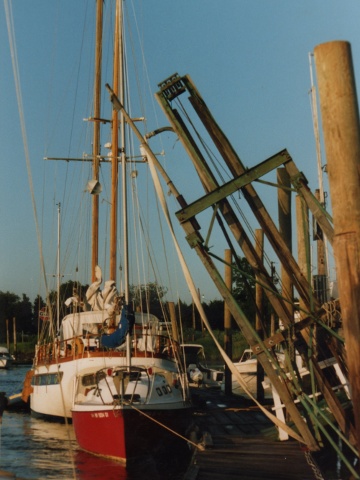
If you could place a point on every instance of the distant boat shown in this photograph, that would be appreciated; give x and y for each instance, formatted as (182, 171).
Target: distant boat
(6, 359)
(247, 367)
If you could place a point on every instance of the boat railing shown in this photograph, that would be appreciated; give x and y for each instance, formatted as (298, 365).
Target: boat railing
(144, 344)
(113, 386)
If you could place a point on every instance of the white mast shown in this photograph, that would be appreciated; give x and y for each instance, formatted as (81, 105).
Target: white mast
(316, 133)
(58, 274)
(123, 171)
(96, 139)
(319, 160)
(123, 159)
(124, 178)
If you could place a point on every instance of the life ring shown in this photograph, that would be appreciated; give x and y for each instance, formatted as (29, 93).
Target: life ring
(77, 347)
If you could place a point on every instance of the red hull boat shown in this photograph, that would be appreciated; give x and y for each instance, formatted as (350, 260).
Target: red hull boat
(127, 413)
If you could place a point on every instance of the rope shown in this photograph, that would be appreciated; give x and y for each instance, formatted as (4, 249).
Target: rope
(152, 160)
(217, 166)
(11, 34)
(199, 446)
(317, 472)
(199, 306)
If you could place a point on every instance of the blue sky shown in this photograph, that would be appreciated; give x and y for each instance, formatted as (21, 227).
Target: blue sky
(249, 60)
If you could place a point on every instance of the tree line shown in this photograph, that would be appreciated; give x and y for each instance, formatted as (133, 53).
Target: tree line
(147, 298)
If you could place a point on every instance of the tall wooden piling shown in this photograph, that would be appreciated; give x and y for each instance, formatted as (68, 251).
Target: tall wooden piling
(284, 211)
(174, 326)
(302, 222)
(14, 333)
(259, 318)
(341, 127)
(7, 335)
(227, 322)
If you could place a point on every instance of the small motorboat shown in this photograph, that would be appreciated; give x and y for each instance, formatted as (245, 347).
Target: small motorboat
(6, 359)
(247, 367)
(197, 369)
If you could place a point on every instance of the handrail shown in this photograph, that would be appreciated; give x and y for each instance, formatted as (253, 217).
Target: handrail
(143, 344)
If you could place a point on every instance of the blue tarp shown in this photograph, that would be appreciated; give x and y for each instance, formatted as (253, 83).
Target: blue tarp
(125, 326)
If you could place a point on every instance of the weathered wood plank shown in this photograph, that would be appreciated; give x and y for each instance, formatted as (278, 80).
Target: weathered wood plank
(244, 445)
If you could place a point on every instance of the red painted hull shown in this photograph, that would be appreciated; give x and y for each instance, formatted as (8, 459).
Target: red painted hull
(125, 434)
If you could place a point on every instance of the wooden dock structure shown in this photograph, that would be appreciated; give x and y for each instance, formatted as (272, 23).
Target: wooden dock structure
(241, 443)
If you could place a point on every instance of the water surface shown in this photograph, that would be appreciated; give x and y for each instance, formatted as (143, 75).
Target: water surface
(35, 449)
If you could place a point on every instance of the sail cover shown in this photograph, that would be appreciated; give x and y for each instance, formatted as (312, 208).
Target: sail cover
(125, 326)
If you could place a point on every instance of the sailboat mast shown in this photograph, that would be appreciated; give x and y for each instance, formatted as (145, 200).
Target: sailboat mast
(123, 174)
(316, 133)
(322, 245)
(58, 274)
(96, 140)
(123, 159)
(114, 151)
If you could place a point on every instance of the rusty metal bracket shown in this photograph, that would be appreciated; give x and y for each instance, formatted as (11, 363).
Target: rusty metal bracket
(268, 343)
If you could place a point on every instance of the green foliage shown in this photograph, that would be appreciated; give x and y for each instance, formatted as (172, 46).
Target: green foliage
(25, 347)
(148, 297)
(12, 306)
(67, 290)
(244, 287)
(212, 353)
(37, 306)
(214, 311)
(185, 313)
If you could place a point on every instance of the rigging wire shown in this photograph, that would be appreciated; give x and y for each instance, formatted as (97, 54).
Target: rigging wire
(12, 42)
(16, 72)
(218, 167)
(215, 164)
(244, 218)
(145, 225)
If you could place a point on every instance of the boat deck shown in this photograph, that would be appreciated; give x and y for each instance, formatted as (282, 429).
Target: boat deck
(241, 443)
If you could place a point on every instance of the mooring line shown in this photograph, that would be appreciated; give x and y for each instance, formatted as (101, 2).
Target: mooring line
(199, 446)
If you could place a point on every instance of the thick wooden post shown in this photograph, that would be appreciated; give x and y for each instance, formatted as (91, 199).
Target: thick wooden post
(14, 333)
(284, 209)
(259, 318)
(174, 327)
(227, 322)
(114, 155)
(96, 141)
(7, 335)
(341, 126)
(321, 279)
(302, 222)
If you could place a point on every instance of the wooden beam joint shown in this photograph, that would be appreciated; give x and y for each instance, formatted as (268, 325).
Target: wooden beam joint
(268, 343)
(299, 180)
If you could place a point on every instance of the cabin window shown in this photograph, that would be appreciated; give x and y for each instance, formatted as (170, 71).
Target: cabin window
(88, 380)
(47, 379)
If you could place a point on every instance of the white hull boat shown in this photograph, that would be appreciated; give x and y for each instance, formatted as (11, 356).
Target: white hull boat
(6, 359)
